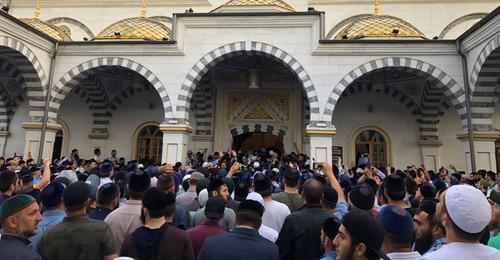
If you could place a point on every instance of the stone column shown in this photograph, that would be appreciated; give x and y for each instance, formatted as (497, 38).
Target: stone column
(484, 147)
(320, 143)
(431, 154)
(175, 142)
(33, 136)
(3, 142)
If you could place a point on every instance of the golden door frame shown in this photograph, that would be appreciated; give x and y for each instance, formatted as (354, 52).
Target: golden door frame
(357, 131)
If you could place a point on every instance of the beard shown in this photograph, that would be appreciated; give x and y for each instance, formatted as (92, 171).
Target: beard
(348, 255)
(423, 243)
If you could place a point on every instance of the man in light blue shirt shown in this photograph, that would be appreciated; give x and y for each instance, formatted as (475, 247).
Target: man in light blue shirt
(51, 198)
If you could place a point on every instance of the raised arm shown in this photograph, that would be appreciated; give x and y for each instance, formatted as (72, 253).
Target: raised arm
(45, 175)
(327, 168)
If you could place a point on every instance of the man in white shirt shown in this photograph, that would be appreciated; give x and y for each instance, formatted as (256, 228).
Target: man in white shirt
(265, 231)
(276, 212)
(464, 212)
(399, 232)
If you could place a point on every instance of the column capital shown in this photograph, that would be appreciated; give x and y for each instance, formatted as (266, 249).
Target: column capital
(176, 128)
(311, 130)
(39, 126)
(479, 136)
(4, 133)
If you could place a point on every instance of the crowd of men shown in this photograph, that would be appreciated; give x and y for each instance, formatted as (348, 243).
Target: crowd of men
(244, 206)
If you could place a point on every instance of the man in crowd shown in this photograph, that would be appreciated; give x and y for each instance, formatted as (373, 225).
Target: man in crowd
(494, 199)
(329, 200)
(113, 158)
(52, 201)
(214, 211)
(360, 237)
(341, 205)
(463, 227)
(9, 183)
(19, 216)
(124, 220)
(217, 188)
(189, 199)
(244, 241)
(361, 197)
(328, 232)
(399, 232)
(108, 198)
(300, 235)
(276, 212)
(290, 196)
(27, 178)
(395, 192)
(156, 239)
(429, 235)
(77, 236)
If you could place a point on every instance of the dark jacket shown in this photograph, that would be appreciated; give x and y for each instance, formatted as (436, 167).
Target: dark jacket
(240, 244)
(15, 247)
(300, 235)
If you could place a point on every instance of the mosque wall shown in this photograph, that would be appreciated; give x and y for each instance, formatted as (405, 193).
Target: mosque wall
(15, 141)
(452, 149)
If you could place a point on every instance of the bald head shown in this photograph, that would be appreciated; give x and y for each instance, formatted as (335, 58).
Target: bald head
(312, 191)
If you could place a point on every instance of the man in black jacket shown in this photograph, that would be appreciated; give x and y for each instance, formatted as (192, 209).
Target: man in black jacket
(300, 235)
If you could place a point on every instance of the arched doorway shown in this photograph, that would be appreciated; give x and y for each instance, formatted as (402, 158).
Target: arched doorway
(372, 143)
(256, 141)
(149, 144)
(58, 145)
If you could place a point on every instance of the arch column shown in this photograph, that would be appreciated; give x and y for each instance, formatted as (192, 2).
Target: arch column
(320, 143)
(33, 137)
(484, 148)
(175, 143)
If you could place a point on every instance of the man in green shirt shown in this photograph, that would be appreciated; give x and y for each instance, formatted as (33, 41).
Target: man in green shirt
(290, 196)
(77, 236)
(494, 199)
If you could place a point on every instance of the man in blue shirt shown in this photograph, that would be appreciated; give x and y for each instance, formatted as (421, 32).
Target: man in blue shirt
(328, 233)
(51, 198)
(108, 198)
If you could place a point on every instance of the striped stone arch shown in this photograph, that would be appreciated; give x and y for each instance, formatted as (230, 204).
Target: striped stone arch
(32, 72)
(73, 77)
(8, 103)
(483, 83)
(211, 59)
(258, 128)
(435, 76)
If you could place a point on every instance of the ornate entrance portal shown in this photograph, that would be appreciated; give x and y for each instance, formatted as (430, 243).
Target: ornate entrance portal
(255, 141)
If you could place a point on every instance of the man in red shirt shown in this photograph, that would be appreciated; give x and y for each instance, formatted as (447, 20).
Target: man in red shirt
(214, 211)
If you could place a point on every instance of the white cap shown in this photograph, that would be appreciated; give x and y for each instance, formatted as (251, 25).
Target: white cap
(205, 165)
(256, 165)
(140, 166)
(256, 197)
(203, 197)
(186, 177)
(468, 208)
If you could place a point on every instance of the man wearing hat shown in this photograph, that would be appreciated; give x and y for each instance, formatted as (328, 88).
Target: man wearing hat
(244, 240)
(27, 179)
(9, 183)
(189, 199)
(494, 199)
(124, 220)
(361, 197)
(157, 239)
(429, 235)
(214, 211)
(108, 198)
(359, 237)
(464, 212)
(399, 232)
(77, 236)
(290, 196)
(20, 216)
(52, 202)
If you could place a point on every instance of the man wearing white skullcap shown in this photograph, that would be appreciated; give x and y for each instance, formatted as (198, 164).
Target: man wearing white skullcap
(464, 212)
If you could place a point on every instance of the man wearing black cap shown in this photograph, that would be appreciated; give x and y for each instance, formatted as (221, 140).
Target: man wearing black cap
(124, 220)
(290, 196)
(328, 232)
(329, 200)
(300, 235)
(78, 236)
(341, 205)
(359, 237)
(108, 197)
(27, 178)
(214, 211)
(52, 202)
(276, 212)
(399, 233)
(429, 235)
(361, 197)
(244, 241)
(494, 199)
(156, 239)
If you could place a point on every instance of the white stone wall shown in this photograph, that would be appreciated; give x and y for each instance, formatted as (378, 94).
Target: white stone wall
(15, 141)
(452, 150)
